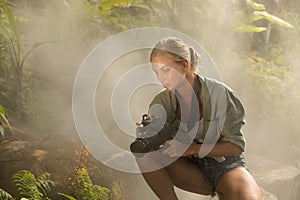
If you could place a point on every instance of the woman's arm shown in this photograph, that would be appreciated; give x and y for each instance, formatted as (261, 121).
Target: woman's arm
(175, 148)
(220, 149)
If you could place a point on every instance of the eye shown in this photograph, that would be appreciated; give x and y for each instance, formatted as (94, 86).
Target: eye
(165, 69)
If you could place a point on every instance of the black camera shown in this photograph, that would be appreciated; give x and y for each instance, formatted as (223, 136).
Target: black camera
(154, 134)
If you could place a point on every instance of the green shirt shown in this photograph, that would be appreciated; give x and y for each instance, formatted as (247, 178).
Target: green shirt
(223, 115)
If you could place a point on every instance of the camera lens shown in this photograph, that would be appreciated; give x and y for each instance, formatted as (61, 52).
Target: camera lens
(139, 146)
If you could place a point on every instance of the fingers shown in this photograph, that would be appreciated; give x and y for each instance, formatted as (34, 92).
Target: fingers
(138, 134)
(175, 148)
(138, 123)
(170, 149)
(166, 143)
(170, 152)
(138, 131)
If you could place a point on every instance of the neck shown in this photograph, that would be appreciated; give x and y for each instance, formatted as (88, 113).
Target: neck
(187, 88)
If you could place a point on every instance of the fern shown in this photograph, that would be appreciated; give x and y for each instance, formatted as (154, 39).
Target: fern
(5, 195)
(44, 184)
(87, 190)
(30, 187)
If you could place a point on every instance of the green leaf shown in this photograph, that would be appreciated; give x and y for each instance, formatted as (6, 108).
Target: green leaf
(44, 184)
(249, 29)
(3, 31)
(31, 187)
(67, 196)
(1, 131)
(255, 6)
(3, 115)
(25, 182)
(5, 195)
(254, 18)
(34, 47)
(2, 110)
(11, 19)
(107, 5)
(273, 19)
(279, 60)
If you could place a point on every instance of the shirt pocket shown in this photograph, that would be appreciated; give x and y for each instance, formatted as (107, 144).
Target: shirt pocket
(211, 131)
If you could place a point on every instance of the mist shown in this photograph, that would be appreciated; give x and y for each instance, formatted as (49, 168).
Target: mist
(272, 149)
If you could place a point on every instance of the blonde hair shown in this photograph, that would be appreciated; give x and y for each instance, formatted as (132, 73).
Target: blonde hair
(178, 51)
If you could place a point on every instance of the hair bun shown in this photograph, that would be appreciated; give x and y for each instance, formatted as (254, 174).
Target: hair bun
(195, 57)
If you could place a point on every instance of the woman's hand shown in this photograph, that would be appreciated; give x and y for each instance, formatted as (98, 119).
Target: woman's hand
(137, 130)
(175, 148)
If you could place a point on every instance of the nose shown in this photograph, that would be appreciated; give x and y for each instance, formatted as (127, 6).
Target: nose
(161, 77)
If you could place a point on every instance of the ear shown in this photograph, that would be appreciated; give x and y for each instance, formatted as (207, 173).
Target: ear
(186, 65)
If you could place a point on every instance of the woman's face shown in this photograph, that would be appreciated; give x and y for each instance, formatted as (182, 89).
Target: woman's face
(171, 74)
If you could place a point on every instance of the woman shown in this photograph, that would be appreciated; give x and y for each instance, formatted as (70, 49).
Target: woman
(206, 156)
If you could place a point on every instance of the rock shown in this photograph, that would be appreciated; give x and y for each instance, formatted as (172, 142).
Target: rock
(295, 189)
(14, 146)
(267, 195)
(277, 180)
(280, 181)
(39, 154)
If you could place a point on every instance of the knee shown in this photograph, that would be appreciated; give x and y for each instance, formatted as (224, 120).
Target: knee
(239, 184)
(250, 196)
(251, 193)
(245, 195)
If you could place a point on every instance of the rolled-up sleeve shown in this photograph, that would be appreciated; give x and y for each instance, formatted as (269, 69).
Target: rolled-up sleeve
(234, 120)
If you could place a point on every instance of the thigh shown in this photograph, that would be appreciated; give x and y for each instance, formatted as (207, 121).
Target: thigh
(187, 176)
(238, 184)
(153, 161)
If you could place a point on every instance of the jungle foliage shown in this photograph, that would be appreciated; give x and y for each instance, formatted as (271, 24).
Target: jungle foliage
(260, 28)
(30, 187)
(260, 37)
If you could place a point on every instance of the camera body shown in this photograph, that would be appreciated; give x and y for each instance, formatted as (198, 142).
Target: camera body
(154, 134)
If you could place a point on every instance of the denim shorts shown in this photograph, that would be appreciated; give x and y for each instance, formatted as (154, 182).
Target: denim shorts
(213, 170)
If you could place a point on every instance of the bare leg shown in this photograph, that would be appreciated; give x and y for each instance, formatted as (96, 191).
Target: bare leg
(161, 184)
(187, 176)
(238, 184)
(181, 173)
